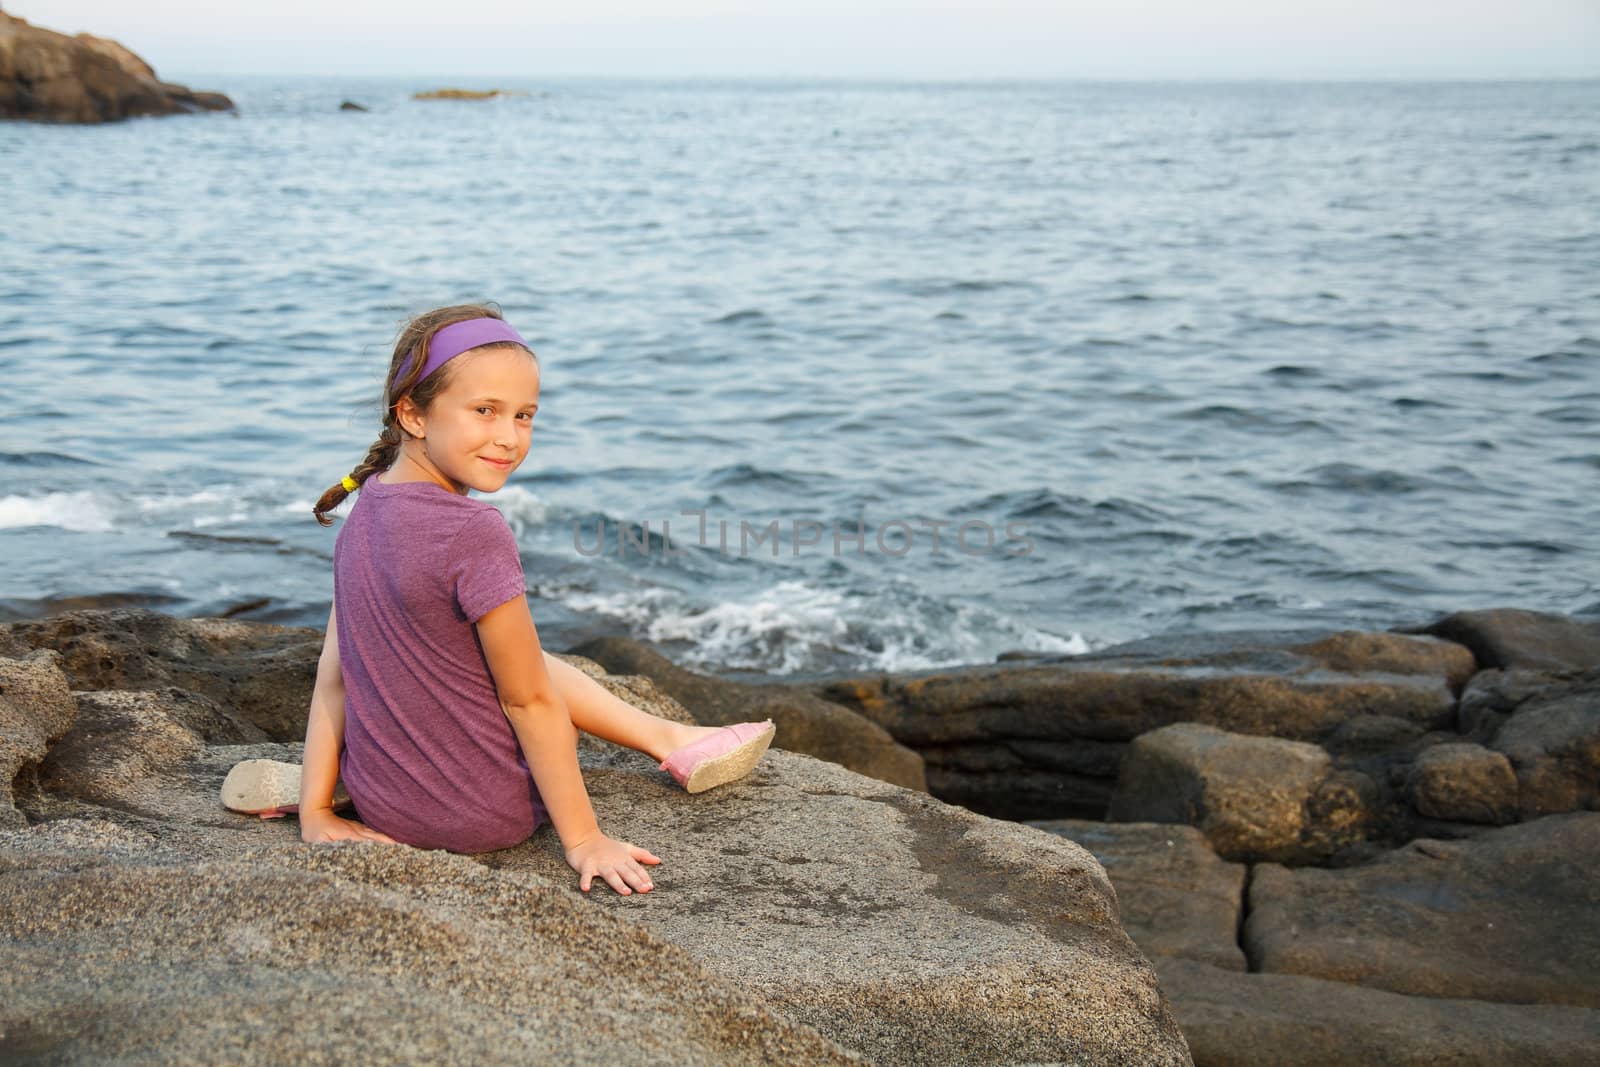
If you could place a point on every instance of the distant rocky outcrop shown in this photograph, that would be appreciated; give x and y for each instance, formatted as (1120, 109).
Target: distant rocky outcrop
(805, 914)
(461, 94)
(50, 77)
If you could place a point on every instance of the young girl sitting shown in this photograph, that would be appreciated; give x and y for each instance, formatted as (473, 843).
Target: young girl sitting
(434, 703)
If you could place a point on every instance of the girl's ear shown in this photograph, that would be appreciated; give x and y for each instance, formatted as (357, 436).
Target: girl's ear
(408, 416)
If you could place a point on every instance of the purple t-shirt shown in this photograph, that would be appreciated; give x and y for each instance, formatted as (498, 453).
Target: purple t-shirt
(429, 757)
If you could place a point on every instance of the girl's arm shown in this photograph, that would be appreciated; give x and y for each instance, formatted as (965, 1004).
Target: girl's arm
(319, 767)
(549, 741)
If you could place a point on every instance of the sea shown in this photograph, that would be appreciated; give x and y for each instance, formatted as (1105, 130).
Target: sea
(837, 376)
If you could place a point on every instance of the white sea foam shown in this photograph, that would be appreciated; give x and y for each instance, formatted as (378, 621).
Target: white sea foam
(521, 507)
(167, 503)
(86, 511)
(794, 626)
(81, 512)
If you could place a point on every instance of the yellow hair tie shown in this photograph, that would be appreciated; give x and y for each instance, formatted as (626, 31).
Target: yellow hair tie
(350, 484)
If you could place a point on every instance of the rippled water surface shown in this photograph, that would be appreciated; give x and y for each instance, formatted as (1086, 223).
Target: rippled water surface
(1196, 356)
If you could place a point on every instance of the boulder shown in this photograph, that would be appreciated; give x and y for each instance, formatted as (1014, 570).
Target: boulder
(804, 913)
(1464, 782)
(1254, 798)
(50, 77)
(1493, 695)
(36, 710)
(1038, 739)
(1553, 742)
(1508, 915)
(1512, 638)
(125, 942)
(900, 927)
(1373, 735)
(1283, 1020)
(805, 722)
(1176, 896)
(260, 673)
(351, 105)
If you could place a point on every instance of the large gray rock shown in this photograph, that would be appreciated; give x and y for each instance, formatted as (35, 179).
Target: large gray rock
(1044, 739)
(36, 710)
(1254, 798)
(130, 942)
(1553, 742)
(1508, 915)
(903, 928)
(803, 900)
(1176, 896)
(805, 722)
(1464, 782)
(50, 77)
(1283, 1020)
(1512, 638)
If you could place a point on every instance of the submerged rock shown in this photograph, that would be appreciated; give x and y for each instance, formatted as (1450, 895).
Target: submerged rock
(50, 77)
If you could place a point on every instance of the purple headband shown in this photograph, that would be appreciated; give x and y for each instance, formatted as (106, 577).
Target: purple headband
(457, 338)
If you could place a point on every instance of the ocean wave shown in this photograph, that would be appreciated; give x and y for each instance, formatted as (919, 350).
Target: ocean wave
(1354, 478)
(741, 475)
(79, 512)
(793, 626)
(44, 459)
(1050, 504)
(521, 507)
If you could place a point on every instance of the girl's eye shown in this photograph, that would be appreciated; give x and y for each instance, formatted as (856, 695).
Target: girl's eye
(486, 411)
(528, 415)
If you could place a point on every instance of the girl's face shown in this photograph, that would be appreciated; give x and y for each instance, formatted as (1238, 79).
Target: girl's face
(477, 430)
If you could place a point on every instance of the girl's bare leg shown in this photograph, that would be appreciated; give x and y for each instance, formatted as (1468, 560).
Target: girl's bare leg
(595, 711)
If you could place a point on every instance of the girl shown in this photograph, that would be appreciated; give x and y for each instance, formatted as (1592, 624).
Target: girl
(434, 703)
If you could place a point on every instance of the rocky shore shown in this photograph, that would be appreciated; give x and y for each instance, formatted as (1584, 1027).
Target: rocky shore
(1362, 848)
(1337, 847)
(49, 77)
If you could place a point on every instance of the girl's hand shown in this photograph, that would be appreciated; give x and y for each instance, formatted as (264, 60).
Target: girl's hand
(616, 861)
(320, 826)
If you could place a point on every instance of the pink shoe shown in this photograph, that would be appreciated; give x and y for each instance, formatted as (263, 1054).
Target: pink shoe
(720, 757)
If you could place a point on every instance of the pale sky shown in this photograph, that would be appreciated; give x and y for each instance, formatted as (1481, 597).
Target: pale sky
(830, 38)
